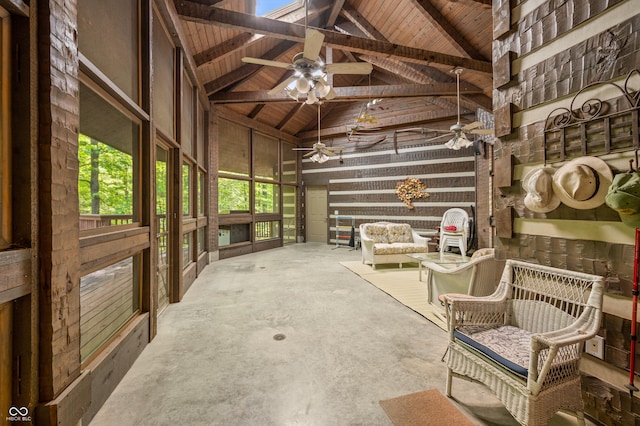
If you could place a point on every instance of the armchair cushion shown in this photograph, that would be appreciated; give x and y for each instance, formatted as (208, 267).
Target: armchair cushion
(506, 345)
(399, 233)
(376, 232)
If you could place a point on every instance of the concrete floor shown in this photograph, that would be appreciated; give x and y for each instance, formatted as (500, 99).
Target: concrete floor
(217, 359)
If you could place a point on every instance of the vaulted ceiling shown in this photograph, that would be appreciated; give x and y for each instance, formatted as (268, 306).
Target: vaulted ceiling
(413, 46)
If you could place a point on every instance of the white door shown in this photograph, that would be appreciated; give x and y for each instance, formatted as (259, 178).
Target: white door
(317, 220)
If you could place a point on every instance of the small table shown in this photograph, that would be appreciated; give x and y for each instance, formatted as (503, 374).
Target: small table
(439, 259)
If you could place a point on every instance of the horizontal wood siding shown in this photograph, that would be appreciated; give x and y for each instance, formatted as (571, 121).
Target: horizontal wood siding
(363, 184)
(558, 49)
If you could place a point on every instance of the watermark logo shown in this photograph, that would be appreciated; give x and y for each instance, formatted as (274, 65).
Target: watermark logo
(18, 414)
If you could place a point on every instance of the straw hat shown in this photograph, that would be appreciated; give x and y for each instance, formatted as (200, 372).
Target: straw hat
(583, 183)
(540, 197)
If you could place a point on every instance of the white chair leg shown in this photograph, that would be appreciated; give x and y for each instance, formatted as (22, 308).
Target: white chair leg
(449, 379)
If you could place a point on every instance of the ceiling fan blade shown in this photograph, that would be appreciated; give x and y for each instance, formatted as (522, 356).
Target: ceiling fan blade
(309, 154)
(267, 62)
(349, 68)
(280, 87)
(472, 126)
(328, 152)
(438, 137)
(312, 44)
(422, 130)
(483, 132)
(302, 149)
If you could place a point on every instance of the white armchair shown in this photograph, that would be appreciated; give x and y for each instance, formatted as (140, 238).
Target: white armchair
(478, 277)
(454, 230)
(525, 341)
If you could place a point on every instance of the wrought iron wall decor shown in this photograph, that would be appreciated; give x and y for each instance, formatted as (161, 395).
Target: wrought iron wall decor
(595, 127)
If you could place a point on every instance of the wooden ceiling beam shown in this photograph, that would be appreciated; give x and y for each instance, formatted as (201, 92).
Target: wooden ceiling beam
(295, 32)
(406, 120)
(246, 70)
(222, 112)
(352, 93)
(448, 31)
(222, 50)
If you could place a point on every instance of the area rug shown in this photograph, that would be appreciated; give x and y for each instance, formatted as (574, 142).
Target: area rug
(400, 283)
(424, 408)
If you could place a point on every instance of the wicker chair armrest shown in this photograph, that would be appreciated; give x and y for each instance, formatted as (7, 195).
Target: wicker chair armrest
(419, 239)
(583, 329)
(472, 310)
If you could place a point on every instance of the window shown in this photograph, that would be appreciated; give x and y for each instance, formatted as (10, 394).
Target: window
(107, 155)
(233, 196)
(266, 157)
(234, 149)
(289, 214)
(187, 249)
(267, 230)
(201, 240)
(117, 22)
(186, 123)
(289, 164)
(108, 299)
(275, 8)
(163, 78)
(201, 187)
(186, 189)
(267, 198)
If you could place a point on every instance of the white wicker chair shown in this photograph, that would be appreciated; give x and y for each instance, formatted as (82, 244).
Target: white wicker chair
(458, 238)
(478, 277)
(547, 314)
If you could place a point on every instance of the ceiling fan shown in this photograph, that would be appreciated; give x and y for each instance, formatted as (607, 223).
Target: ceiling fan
(320, 152)
(310, 71)
(459, 139)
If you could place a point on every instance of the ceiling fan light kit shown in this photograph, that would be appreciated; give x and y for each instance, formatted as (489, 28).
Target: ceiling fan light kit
(310, 71)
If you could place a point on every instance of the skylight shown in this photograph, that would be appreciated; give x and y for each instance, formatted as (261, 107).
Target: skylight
(271, 7)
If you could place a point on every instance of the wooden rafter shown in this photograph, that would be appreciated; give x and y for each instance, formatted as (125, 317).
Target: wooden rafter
(246, 70)
(445, 28)
(222, 50)
(353, 93)
(295, 32)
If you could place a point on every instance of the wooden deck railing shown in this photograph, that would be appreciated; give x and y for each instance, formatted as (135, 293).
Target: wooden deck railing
(92, 221)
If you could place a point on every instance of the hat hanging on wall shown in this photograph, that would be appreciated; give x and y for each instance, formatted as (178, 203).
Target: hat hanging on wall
(624, 197)
(583, 183)
(540, 197)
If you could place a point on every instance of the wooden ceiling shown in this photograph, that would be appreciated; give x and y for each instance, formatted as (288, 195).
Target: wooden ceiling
(412, 44)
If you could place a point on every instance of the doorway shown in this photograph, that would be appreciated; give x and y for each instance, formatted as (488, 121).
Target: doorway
(317, 218)
(163, 216)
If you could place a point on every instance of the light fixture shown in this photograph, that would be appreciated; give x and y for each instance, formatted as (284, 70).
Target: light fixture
(302, 84)
(311, 98)
(313, 85)
(459, 139)
(319, 157)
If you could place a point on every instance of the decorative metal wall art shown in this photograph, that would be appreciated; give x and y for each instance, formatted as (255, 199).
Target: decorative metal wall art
(593, 126)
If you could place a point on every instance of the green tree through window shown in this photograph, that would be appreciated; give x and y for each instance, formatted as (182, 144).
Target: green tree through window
(105, 178)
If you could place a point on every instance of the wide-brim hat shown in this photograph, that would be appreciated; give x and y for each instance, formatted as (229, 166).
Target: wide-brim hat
(538, 184)
(583, 183)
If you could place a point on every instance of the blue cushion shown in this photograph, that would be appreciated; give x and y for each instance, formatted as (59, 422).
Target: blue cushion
(506, 345)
